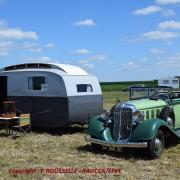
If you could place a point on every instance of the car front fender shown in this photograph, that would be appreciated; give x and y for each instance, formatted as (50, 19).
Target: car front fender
(98, 129)
(147, 129)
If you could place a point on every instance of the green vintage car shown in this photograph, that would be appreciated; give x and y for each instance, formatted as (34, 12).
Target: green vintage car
(150, 116)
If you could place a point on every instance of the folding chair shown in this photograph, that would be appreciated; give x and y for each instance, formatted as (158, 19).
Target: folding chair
(24, 125)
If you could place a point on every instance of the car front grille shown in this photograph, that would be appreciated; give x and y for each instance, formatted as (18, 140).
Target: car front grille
(122, 123)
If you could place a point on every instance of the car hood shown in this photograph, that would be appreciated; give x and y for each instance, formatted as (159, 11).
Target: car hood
(147, 103)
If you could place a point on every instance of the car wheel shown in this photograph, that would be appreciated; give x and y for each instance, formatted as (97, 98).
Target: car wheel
(167, 115)
(156, 145)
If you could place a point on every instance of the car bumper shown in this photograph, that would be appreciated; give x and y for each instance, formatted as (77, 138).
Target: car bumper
(116, 144)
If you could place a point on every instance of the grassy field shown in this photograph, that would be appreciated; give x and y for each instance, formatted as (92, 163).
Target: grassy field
(122, 86)
(66, 148)
(110, 98)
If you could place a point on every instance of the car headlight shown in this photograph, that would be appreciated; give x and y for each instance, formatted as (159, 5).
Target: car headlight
(104, 114)
(137, 117)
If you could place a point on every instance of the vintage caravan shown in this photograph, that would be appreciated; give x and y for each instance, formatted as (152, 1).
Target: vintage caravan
(56, 95)
(169, 82)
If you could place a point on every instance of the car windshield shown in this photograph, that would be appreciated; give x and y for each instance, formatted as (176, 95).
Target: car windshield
(146, 92)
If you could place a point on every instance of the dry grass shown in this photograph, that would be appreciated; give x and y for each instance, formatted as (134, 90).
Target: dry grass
(67, 148)
(110, 98)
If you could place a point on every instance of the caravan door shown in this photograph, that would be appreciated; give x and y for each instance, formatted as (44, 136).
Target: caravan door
(3, 92)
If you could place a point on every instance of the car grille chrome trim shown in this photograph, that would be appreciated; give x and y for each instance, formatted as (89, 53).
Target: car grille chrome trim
(122, 123)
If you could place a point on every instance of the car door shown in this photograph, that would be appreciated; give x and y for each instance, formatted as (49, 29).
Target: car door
(176, 107)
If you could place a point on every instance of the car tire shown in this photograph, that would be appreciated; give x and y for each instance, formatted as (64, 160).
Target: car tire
(156, 145)
(167, 115)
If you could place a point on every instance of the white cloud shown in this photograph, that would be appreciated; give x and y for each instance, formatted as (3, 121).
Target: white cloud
(148, 10)
(3, 23)
(14, 39)
(44, 59)
(157, 51)
(111, 63)
(99, 57)
(36, 47)
(131, 39)
(50, 45)
(86, 22)
(82, 51)
(169, 25)
(172, 61)
(90, 66)
(5, 46)
(128, 66)
(33, 47)
(168, 12)
(169, 43)
(154, 9)
(160, 35)
(17, 34)
(4, 53)
(86, 64)
(83, 61)
(164, 2)
(144, 59)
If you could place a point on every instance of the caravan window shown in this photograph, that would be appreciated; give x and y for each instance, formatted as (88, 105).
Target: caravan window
(84, 88)
(175, 81)
(36, 83)
(166, 81)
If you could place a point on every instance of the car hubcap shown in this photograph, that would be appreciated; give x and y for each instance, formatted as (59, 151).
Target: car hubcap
(158, 145)
(170, 121)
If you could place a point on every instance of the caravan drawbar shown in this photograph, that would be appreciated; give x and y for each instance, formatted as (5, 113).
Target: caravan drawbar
(56, 95)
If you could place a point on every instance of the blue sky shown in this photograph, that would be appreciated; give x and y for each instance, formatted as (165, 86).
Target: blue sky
(112, 39)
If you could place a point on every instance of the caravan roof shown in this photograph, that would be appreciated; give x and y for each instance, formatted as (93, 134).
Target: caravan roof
(66, 68)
